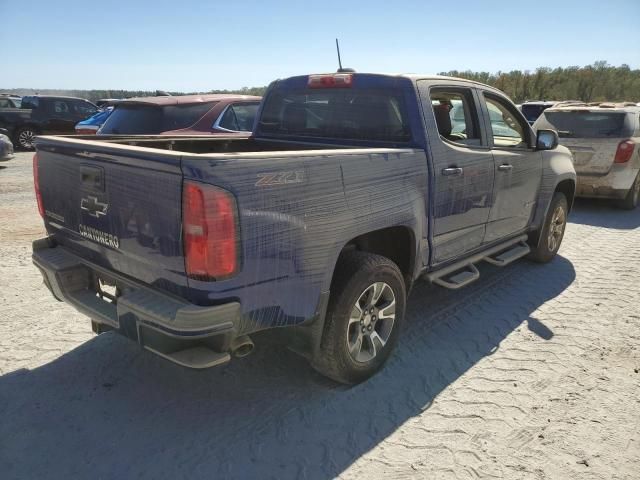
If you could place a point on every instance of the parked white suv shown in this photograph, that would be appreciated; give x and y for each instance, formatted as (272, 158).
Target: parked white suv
(605, 142)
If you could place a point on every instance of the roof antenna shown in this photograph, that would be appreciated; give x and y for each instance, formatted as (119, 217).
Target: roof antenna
(340, 69)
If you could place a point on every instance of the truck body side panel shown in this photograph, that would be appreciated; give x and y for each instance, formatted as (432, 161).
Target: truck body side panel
(297, 211)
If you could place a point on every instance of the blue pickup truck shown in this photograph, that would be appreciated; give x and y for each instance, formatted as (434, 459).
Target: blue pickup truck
(352, 187)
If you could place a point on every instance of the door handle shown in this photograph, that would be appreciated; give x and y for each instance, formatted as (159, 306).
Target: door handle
(505, 167)
(452, 171)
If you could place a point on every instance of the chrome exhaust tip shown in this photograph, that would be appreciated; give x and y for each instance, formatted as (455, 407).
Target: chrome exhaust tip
(241, 346)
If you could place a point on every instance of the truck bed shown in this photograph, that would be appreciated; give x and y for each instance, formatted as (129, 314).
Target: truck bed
(201, 143)
(117, 203)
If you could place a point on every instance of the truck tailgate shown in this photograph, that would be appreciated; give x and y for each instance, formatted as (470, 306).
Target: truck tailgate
(116, 206)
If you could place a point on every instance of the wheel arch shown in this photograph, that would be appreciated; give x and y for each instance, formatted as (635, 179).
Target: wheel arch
(397, 243)
(568, 188)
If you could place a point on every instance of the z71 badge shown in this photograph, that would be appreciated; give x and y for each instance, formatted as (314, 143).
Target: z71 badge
(280, 178)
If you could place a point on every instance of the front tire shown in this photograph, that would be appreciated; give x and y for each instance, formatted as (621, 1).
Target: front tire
(630, 202)
(363, 320)
(24, 138)
(552, 231)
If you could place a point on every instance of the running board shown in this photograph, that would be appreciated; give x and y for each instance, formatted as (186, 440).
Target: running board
(508, 256)
(464, 272)
(459, 279)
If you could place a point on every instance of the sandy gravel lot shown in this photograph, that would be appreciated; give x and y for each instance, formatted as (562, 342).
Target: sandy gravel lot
(531, 372)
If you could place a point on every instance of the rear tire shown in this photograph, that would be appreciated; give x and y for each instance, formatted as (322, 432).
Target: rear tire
(24, 138)
(363, 318)
(630, 202)
(552, 230)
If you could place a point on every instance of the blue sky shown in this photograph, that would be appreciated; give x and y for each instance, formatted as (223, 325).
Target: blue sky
(203, 45)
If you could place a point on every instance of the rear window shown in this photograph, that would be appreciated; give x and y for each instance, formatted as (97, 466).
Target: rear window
(151, 119)
(348, 114)
(587, 124)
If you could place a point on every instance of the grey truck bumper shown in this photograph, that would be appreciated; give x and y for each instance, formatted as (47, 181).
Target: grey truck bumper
(187, 334)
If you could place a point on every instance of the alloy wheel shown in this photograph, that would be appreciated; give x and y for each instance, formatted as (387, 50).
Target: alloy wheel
(371, 322)
(556, 228)
(25, 139)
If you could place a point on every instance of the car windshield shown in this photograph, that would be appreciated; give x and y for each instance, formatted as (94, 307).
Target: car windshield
(137, 119)
(586, 124)
(358, 114)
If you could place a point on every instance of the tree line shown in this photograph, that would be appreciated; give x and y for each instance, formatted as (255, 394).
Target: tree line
(591, 83)
(95, 95)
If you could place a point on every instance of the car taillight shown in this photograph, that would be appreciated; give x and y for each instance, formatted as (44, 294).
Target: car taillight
(36, 185)
(210, 236)
(334, 80)
(624, 151)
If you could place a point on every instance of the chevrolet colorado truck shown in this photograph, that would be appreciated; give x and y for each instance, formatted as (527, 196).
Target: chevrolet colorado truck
(352, 187)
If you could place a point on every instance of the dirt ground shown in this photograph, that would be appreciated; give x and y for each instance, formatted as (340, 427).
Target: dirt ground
(531, 372)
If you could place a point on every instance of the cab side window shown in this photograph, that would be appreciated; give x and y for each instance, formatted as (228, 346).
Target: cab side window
(506, 127)
(456, 116)
(60, 107)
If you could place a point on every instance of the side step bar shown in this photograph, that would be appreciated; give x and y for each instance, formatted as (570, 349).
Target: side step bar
(462, 273)
(508, 256)
(459, 279)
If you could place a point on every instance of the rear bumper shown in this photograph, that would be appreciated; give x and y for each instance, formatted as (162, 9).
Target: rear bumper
(161, 323)
(614, 185)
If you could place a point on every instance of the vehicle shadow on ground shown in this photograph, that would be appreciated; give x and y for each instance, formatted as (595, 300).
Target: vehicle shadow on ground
(109, 410)
(603, 213)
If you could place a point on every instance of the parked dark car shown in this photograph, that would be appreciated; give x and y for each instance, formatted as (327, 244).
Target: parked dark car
(183, 115)
(41, 114)
(92, 124)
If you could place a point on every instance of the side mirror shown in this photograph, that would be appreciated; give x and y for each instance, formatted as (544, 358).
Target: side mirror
(546, 140)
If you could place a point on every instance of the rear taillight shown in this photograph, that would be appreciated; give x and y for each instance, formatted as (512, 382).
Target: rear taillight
(36, 185)
(209, 227)
(334, 80)
(624, 151)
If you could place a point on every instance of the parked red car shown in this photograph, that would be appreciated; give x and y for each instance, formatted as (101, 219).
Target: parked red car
(182, 115)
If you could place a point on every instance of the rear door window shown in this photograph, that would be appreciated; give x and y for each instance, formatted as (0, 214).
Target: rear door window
(586, 124)
(456, 115)
(60, 107)
(137, 119)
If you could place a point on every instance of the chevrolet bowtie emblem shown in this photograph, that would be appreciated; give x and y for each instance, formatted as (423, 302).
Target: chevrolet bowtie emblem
(93, 207)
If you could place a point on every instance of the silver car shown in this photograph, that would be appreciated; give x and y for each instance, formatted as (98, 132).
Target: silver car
(6, 148)
(604, 140)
